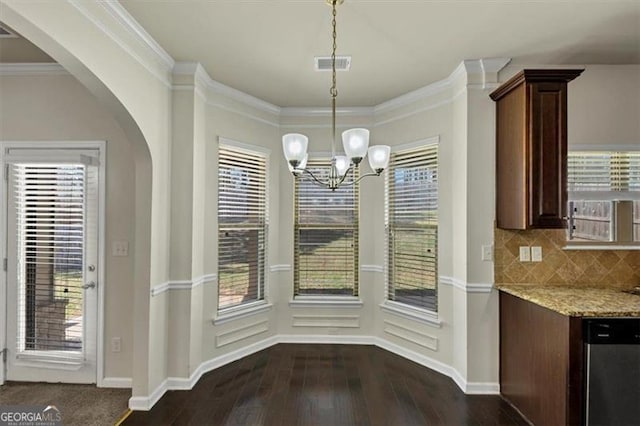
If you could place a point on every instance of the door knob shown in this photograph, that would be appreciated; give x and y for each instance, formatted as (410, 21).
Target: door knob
(90, 284)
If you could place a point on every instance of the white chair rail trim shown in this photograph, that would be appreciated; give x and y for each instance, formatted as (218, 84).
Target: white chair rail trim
(183, 284)
(465, 286)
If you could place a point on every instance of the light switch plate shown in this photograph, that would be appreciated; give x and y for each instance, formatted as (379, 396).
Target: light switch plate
(525, 254)
(116, 344)
(536, 254)
(487, 253)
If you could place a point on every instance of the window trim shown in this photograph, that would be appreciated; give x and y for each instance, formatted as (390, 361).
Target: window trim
(331, 300)
(326, 301)
(223, 315)
(256, 307)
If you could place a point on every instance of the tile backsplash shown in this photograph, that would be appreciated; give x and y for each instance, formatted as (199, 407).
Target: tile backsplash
(608, 268)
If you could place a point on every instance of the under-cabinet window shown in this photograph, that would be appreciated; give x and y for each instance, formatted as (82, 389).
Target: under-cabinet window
(604, 197)
(326, 236)
(412, 227)
(242, 226)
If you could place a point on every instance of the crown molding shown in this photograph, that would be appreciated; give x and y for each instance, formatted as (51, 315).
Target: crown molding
(89, 11)
(39, 68)
(202, 78)
(243, 97)
(127, 21)
(326, 112)
(413, 96)
(485, 68)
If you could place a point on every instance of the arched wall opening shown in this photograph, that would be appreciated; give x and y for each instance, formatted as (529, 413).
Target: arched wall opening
(54, 29)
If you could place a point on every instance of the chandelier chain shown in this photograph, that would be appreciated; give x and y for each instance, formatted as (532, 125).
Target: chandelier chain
(337, 174)
(334, 88)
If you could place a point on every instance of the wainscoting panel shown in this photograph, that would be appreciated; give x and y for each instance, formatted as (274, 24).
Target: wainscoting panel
(334, 321)
(241, 333)
(410, 335)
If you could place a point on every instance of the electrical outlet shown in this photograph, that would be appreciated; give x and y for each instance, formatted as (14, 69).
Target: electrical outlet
(536, 254)
(487, 253)
(116, 344)
(525, 254)
(120, 248)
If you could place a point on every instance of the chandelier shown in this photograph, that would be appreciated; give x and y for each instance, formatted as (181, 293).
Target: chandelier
(354, 141)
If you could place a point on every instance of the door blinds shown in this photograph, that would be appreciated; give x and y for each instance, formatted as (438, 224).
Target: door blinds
(242, 226)
(50, 204)
(326, 236)
(412, 227)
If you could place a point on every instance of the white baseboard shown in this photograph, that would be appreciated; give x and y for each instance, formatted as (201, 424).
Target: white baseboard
(143, 403)
(116, 382)
(475, 388)
(416, 357)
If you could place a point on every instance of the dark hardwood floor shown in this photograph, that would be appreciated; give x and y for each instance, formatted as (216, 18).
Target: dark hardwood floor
(295, 384)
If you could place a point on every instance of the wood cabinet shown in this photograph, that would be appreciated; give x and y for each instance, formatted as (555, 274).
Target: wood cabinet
(541, 362)
(531, 149)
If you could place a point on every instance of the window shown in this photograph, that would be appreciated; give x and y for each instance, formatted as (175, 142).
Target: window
(242, 226)
(326, 236)
(412, 227)
(604, 189)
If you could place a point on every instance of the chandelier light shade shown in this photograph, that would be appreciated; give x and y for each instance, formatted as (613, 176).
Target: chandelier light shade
(295, 148)
(379, 157)
(354, 141)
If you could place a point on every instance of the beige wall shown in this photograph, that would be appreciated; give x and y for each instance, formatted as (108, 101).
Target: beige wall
(173, 330)
(59, 108)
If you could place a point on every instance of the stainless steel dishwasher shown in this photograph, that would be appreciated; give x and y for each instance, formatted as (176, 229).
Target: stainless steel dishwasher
(612, 382)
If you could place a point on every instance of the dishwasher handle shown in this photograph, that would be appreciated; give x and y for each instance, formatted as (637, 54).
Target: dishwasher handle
(612, 331)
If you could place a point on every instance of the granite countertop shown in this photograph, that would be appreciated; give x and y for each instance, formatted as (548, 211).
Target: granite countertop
(577, 301)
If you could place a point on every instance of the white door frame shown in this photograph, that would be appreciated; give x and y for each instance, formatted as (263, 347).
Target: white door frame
(101, 146)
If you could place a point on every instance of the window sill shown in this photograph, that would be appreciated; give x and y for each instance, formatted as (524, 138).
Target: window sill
(326, 302)
(242, 311)
(429, 318)
(601, 247)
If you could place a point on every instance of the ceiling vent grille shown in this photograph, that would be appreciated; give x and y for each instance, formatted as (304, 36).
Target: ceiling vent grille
(323, 63)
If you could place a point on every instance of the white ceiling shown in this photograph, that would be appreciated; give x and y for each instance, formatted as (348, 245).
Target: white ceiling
(266, 47)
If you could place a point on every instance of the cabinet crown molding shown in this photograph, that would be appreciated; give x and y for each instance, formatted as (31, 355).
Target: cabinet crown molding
(535, 75)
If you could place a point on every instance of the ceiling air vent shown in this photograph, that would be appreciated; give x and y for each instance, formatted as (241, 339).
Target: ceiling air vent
(323, 63)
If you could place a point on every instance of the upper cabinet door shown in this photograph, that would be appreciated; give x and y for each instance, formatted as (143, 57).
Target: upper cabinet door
(531, 149)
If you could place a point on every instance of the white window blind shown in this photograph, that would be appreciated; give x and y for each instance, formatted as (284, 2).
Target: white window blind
(242, 226)
(597, 183)
(50, 220)
(603, 174)
(326, 236)
(412, 227)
